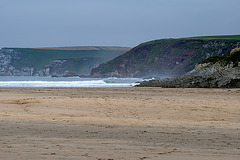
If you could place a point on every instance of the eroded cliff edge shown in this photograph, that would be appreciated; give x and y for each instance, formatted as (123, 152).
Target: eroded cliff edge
(214, 72)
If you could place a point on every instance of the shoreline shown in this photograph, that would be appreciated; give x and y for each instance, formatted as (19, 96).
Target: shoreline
(119, 123)
(50, 82)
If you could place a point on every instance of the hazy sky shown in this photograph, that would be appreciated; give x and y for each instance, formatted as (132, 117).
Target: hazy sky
(42, 23)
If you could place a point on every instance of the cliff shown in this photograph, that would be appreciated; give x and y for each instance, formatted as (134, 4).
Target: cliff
(166, 57)
(214, 72)
(58, 61)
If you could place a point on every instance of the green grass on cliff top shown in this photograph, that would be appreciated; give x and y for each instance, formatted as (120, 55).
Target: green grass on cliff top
(222, 37)
(204, 38)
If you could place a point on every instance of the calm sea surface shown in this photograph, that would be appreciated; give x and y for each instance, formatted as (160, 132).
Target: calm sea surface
(11, 81)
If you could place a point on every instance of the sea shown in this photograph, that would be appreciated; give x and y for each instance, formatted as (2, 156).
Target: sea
(24, 81)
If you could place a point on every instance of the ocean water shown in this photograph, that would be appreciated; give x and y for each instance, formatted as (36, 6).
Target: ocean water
(12, 81)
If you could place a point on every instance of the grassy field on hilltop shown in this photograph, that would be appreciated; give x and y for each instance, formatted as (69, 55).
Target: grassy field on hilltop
(221, 37)
(38, 58)
(88, 48)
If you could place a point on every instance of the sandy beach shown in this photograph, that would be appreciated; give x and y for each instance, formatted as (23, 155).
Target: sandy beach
(119, 123)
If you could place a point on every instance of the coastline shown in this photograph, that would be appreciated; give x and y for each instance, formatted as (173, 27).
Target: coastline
(66, 82)
(119, 123)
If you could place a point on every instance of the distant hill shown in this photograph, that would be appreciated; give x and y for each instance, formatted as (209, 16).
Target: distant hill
(167, 57)
(55, 61)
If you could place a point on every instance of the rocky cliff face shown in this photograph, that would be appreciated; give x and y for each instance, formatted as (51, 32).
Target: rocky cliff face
(164, 58)
(7, 58)
(70, 67)
(217, 72)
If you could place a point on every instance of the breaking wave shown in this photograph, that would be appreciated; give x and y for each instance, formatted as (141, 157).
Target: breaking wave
(69, 83)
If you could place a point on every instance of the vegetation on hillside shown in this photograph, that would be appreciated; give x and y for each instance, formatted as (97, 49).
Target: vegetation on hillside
(167, 57)
(234, 57)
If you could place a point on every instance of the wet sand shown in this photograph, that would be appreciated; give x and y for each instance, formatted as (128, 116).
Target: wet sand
(119, 123)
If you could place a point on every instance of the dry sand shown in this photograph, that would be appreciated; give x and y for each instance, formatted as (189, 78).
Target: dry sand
(119, 123)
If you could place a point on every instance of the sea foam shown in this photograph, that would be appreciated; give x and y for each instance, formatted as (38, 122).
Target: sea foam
(69, 83)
